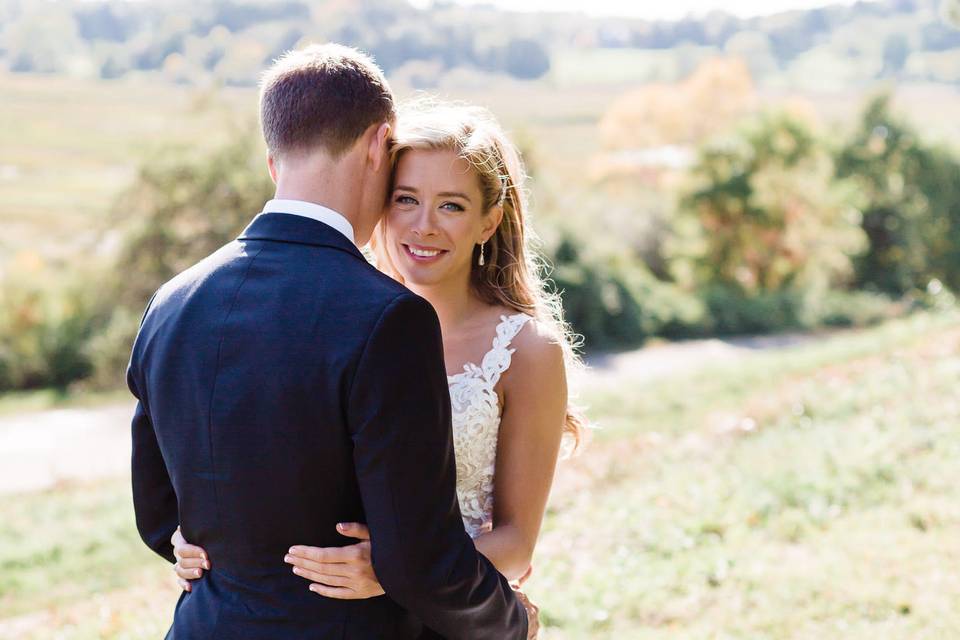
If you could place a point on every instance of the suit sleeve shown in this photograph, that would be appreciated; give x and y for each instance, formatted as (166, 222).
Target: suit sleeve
(154, 499)
(399, 417)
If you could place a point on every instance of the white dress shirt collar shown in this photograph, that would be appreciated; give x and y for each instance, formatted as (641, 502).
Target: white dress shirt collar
(313, 211)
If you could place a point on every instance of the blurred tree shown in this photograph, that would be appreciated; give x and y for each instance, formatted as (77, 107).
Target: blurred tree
(181, 209)
(753, 47)
(911, 213)
(105, 22)
(895, 52)
(42, 43)
(718, 93)
(950, 10)
(764, 213)
(526, 59)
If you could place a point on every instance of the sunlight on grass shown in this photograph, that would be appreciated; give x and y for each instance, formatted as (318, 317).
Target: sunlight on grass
(20, 402)
(806, 493)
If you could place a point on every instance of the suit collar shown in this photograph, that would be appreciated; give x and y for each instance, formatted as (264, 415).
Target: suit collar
(285, 227)
(312, 210)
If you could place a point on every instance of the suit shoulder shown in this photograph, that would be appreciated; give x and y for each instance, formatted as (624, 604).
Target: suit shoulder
(193, 276)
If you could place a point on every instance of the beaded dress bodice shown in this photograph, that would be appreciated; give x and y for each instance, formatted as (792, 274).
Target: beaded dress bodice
(476, 425)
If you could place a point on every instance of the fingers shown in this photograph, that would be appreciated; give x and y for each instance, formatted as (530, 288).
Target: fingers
(328, 579)
(193, 563)
(350, 554)
(185, 585)
(331, 568)
(185, 550)
(340, 593)
(186, 573)
(354, 530)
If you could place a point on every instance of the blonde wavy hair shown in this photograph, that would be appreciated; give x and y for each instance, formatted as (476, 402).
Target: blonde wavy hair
(512, 273)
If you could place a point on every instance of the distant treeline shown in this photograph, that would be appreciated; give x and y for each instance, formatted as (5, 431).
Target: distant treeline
(776, 227)
(230, 40)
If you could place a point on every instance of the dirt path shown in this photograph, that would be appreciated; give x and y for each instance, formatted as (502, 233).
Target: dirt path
(40, 449)
(664, 360)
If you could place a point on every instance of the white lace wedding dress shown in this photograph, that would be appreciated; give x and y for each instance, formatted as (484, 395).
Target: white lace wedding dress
(476, 425)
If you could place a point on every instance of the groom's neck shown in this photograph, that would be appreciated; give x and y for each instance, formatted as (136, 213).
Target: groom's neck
(333, 185)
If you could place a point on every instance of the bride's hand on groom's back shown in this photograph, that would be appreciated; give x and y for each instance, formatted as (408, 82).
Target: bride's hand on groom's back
(191, 560)
(345, 573)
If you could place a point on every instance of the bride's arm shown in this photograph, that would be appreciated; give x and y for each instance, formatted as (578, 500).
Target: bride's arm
(531, 428)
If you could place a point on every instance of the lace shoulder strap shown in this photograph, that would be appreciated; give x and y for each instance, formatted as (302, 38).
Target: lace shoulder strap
(497, 360)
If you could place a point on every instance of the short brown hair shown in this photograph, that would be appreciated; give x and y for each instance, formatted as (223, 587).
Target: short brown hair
(323, 95)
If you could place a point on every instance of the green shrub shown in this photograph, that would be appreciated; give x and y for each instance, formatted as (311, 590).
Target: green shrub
(850, 309)
(44, 324)
(615, 302)
(911, 203)
(108, 351)
(732, 311)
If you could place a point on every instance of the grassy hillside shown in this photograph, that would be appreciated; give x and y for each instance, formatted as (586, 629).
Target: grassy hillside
(802, 494)
(68, 147)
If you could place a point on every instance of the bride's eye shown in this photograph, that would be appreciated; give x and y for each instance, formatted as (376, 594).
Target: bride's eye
(404, 199)
(452, 206)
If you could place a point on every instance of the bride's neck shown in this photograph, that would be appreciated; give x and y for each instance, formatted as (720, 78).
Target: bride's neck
(454, 303)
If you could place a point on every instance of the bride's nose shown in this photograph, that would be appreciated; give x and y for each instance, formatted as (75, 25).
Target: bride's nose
(426, 222)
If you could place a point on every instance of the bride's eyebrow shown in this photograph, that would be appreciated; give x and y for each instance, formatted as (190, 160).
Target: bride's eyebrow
(454, 194)
(445, 194)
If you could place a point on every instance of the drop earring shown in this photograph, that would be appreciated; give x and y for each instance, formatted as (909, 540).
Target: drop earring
(482, 261)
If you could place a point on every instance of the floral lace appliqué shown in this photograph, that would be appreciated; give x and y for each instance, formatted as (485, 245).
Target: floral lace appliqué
(476, 424)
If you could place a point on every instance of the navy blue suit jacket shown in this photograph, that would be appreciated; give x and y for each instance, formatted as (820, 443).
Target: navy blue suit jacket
(284, 386)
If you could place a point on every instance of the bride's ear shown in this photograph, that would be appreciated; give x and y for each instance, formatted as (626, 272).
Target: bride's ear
(492, 220)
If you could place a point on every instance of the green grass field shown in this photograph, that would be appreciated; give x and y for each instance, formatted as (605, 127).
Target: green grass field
(68, 147)
(807, 493)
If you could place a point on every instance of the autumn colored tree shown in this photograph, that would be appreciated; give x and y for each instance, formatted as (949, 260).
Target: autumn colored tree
(717, 94)
(764, 213)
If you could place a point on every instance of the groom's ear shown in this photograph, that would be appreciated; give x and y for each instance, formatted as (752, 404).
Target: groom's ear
(272, 167)
(379, 143)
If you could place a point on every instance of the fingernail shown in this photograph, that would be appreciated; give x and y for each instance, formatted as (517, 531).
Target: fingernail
(288, 558)
(296, 570)
(311, 587)
(206, 565)
(197, 573)
(341, 525)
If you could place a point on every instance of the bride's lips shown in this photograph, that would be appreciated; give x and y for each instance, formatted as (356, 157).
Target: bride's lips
(409, 249)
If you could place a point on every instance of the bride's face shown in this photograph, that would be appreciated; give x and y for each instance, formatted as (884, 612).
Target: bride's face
(435, 217)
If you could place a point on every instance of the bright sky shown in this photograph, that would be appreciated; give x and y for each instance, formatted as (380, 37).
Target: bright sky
(650, 9)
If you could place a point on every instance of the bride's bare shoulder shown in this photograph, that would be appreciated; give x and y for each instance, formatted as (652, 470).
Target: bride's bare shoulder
(538, 355)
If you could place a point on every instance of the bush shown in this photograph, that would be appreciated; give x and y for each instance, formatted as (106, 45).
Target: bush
(850, 309)
(615, 302)
(44, 325)
(731, 311)
(108, 351)
(911, 213)
(182, 208)
(764, 213)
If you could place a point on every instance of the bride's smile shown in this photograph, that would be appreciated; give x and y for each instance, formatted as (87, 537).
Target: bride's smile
(435, 219)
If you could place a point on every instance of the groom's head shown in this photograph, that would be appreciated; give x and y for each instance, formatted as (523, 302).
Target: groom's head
(328, 108)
